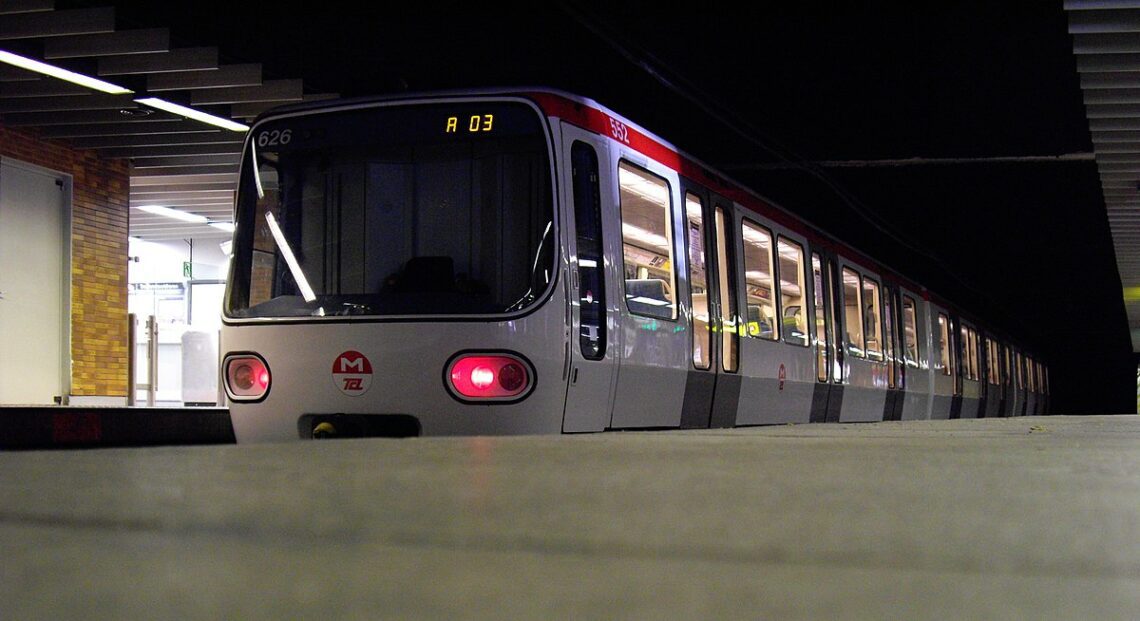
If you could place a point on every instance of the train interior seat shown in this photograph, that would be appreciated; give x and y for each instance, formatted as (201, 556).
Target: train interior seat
(648, 296)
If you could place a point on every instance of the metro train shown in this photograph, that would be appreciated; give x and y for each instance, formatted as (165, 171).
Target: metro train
(527, 261)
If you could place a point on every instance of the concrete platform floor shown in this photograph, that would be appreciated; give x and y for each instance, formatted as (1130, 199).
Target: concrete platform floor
(1034, 518)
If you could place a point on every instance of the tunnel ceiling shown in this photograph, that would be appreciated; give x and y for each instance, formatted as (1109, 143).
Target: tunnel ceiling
(184, 164)
(1106, 42)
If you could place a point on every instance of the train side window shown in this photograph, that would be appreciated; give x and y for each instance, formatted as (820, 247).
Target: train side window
(727, 281)
(793, 303)
(910, 332)
(969, 354)
(873, 319)
(1018, 371)
(852, 316)
(944, 343)
(591, 275)
(820, 330)
(698, 279)
(647, 242)
(761, 317)
(1030, 371)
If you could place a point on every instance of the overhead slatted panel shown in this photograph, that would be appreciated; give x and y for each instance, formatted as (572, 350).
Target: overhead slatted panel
(178, 163)
(1106, 42)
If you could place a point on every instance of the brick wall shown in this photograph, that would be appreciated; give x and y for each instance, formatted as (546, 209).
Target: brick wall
(99, 206)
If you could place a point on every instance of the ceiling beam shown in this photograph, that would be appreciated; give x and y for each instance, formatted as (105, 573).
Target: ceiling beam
(107, 142)
(1108, 62)
(140, 182)
(8, 73)
(174, 161)
(252, 110)
(225, 76)
(125, 129)
(1105, 20)
(144, 41)
(211, 203)
(37, 119)
(56, 23)
(1106, 43)
(1112, 111)
(41, 88)
(269, 91)
(9, 7)
(1119, 135)
(1123, 95)
(1110, 79)
(193, 190)
(211, 169)
(182, 59)
(73, 102)
(147, 152)
(204, 195)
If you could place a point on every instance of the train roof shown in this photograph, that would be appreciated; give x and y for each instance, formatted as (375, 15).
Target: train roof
(594, 116)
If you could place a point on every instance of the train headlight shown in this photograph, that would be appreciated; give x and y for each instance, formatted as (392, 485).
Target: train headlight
(475, 377)
(247, 377)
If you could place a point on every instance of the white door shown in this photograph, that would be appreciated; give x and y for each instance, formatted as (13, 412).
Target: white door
(34, 251)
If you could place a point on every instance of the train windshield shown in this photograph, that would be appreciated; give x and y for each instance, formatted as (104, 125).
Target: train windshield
(428, 209)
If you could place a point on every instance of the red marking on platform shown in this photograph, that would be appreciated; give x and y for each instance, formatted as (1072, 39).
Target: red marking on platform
(76, 427)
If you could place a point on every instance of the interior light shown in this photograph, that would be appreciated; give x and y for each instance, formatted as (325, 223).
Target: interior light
(191, 113)
(176, 214)
(62, 74)
(223, 226)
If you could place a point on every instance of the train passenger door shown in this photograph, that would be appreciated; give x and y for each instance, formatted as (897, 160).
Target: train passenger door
(592, 352)
(827, 400)
(700, 308)
(651, 277)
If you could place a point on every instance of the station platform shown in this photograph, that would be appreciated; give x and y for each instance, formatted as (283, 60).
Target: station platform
(64, 427)
(964, 519)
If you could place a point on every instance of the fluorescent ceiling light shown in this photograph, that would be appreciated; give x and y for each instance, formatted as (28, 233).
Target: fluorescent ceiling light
(223, 226)
(62, 74)
(185, 216)
(191, 113)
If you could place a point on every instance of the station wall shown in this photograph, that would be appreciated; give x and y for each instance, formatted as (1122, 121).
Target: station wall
(99, 217)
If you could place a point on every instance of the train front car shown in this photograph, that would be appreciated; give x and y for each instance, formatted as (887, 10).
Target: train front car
(394, 272)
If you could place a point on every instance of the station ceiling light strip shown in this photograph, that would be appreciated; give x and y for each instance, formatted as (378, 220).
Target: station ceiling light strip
(184, 216)
(62, 74)
(191, 113)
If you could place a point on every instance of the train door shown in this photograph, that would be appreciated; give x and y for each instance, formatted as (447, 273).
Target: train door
(827, 400)
(727, 324)
(895, 368)
(654, 338)
(943, 361)
(592, 354)
(865, 372)
(969, 375)
(913, 352)
(701, 307)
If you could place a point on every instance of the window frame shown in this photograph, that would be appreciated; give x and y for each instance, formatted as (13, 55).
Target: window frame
(773, 291)
(803, 284)
(670, 239)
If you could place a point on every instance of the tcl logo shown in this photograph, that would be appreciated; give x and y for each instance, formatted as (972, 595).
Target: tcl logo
(352, 373)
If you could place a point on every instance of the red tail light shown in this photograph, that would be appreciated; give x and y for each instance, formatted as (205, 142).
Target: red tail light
(489, 377)
(247, 377)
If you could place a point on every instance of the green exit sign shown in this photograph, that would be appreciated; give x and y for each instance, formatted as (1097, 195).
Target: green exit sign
(187, 269)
